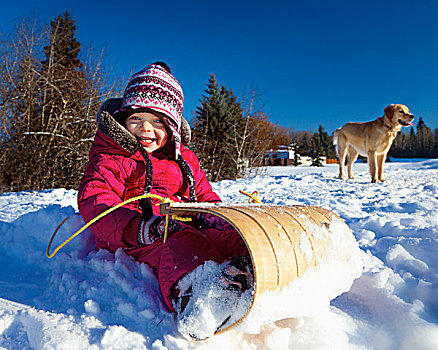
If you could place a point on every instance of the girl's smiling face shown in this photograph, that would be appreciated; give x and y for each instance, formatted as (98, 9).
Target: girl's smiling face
(149, 129)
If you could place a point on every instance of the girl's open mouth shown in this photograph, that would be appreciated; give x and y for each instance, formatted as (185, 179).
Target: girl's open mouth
(146, 140)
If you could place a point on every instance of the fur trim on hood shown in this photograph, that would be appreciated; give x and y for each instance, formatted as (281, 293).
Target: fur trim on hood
(112, 128)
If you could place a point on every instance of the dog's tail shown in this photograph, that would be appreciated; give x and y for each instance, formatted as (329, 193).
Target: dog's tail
(335, 140)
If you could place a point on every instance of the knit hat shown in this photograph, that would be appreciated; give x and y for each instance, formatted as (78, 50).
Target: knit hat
(154, 87)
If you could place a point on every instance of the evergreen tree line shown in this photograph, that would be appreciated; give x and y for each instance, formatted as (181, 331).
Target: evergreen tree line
(422, 143)
(50, 94)
(314, 145)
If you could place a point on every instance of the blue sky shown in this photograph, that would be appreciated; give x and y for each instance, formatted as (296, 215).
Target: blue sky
(313, 62)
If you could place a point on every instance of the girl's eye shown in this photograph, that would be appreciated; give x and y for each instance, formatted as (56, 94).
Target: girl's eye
(158, 121)
(135, 118)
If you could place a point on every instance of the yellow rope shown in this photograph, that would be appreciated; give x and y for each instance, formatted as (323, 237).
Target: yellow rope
(254, 197)
(106, 212)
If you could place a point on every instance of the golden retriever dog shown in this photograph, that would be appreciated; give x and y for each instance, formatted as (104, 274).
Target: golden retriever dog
(372, 139)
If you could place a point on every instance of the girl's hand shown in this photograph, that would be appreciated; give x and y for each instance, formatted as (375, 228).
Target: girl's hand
(154, 229)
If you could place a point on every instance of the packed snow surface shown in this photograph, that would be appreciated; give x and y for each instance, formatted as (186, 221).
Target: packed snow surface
(88, 299)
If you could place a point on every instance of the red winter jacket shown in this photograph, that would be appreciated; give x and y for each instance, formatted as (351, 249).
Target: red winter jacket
(116, 172)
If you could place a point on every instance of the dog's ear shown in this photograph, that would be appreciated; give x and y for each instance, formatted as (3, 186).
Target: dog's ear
(389, 111)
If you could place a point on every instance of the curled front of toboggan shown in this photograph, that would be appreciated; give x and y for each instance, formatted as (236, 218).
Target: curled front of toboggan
(284, 242)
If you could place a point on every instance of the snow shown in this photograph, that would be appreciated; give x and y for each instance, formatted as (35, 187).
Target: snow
(210, 304)
(88, 299)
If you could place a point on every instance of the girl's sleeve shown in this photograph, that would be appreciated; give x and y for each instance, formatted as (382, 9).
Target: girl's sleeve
(204, 191)
(103, 187)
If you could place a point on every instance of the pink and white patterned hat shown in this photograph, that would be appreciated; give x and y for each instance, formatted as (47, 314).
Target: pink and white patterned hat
(155, 87)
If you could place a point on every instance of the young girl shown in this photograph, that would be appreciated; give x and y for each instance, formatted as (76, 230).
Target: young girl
(138, 149)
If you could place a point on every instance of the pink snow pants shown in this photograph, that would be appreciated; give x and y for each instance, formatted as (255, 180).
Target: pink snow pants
(184, 251)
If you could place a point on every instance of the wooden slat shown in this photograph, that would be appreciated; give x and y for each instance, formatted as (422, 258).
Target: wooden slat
(283, 241)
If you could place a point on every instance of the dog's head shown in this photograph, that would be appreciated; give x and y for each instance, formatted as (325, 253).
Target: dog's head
(398, 115)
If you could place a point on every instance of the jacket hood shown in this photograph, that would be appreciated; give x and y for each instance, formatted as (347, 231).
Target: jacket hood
(107, 124)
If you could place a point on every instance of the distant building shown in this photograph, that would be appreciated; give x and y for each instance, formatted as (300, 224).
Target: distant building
(284, 155)
(283, 152)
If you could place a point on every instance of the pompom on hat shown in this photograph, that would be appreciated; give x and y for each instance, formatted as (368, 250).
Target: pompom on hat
(154, 87)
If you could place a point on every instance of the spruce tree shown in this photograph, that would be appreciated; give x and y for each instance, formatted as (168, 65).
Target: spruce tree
(325, 142)
(297, 158)
(412, 141)
(213, 130)
(63, 50)
(62, 115)
(424, 140)
(317, 149)
(435, 143)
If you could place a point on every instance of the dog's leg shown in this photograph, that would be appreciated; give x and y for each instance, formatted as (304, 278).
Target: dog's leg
(352, 156)
(342, 154)
(372, 163)
(380, 164)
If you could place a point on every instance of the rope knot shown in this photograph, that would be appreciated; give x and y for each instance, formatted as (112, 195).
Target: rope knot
(254, 197)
